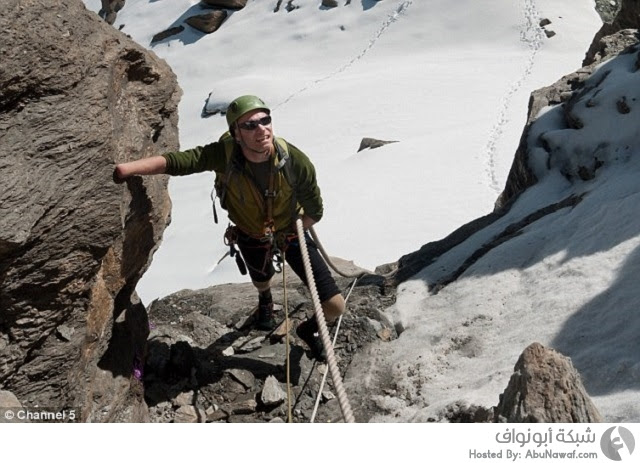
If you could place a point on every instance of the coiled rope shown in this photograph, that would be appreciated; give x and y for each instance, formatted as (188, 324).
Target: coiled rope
(324, 332)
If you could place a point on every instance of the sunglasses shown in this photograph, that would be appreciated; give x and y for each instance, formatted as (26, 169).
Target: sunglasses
(252, 125)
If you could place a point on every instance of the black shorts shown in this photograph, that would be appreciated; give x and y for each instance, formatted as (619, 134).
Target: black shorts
(258, 259)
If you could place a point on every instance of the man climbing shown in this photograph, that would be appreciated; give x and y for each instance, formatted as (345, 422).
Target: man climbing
(265, 184)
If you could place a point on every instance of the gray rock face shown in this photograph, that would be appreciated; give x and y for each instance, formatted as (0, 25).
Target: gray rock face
(110, 9)
(244, 377)
(373, 143)
(627, 17)
(77, 97)
(329, 3)
(208, 22)
(610, 45)
(608, 9)
(231, 4)
(545, 388)
(167, 33)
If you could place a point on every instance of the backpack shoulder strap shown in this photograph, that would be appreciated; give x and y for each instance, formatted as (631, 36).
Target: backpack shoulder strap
(284, 162)
(285, 166)
(229, 144)
(222, 179)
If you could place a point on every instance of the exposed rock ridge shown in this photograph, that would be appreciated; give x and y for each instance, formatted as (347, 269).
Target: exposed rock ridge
(510, 232)
(612, 39)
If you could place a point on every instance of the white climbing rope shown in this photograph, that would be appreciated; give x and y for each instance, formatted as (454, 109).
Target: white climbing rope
(288, 342)
(336, 269)
(324, 332)
(328, 259)
(324, 377)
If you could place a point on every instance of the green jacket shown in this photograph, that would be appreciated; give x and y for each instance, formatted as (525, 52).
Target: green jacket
(243, 200)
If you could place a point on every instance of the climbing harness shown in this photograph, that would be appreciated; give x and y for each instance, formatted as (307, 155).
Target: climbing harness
(231, 240)
(274, 240)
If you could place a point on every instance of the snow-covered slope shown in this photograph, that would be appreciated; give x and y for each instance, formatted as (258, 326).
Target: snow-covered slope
(566, 280)
(449, 80)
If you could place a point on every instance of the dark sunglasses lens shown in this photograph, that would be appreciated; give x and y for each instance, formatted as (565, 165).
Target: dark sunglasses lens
(252, 125)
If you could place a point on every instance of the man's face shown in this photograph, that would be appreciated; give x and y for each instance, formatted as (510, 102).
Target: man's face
(254, 130)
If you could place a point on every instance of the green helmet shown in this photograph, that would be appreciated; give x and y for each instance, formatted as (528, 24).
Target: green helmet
(242, 105)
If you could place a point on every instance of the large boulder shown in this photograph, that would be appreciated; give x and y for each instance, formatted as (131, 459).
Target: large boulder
(76, 97)
(545, 388)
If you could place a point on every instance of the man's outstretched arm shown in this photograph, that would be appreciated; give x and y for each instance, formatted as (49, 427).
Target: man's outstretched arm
(146, 166)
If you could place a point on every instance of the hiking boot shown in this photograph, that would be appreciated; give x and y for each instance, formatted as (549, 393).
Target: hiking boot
(266, 320)
(308, 332)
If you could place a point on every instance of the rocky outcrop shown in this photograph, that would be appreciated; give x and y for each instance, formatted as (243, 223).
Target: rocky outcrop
(521, 175)
(627, 17)
(607, 9)
(329, 3)
(208, 22)
(373, 143)
(410, 264)
(76, 97)
(545, 388)
(230, 4)
(165, 34)
(203, 347)
(567, 92)
(110, 8)
(610, 45)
